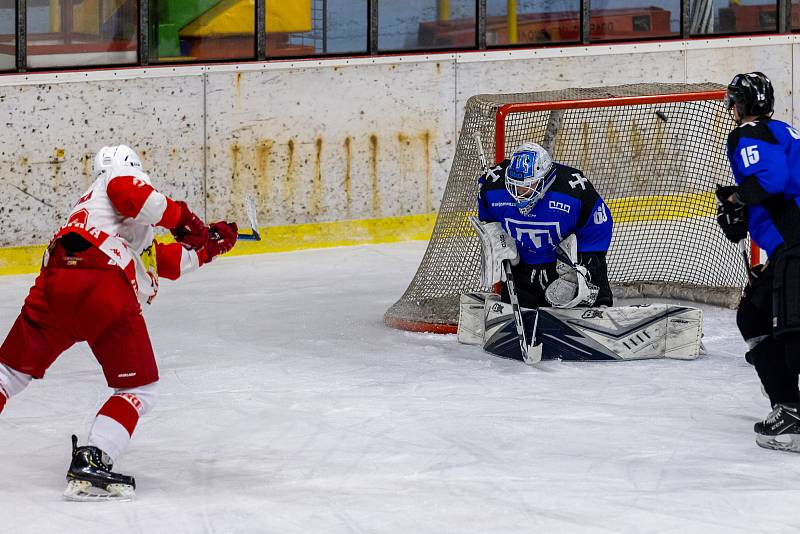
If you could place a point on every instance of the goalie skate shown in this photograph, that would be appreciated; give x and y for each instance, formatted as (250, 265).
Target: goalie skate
(90, 478)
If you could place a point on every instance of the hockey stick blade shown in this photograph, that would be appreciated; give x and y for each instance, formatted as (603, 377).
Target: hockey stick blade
(252, 218)
(255, 236)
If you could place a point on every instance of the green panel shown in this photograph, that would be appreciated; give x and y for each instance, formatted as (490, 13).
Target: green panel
(174, 15)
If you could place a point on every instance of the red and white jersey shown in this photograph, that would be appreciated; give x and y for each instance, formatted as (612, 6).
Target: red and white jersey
(117, 215)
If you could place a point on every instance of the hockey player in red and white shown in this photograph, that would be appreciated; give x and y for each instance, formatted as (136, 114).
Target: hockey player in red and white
(97, 269)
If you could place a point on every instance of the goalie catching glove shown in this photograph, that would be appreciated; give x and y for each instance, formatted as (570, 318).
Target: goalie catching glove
(497, 247)
(573, 287)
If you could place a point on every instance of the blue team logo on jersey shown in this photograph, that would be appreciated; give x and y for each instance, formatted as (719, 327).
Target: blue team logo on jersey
(535, 235)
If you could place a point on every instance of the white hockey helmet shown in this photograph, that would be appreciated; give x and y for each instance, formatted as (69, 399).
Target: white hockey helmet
(527, 175)
(115, 156)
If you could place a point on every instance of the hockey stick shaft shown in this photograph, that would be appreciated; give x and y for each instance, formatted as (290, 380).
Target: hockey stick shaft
(527, 356)
(512, 289)
(745, 258)
(481, 153)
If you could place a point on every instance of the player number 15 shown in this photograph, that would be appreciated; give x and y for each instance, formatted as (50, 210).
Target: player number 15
(749, 155)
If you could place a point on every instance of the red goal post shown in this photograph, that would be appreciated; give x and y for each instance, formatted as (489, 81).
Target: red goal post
(655, 152)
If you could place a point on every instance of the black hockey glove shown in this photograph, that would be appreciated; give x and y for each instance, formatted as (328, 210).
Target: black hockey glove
(731, 216)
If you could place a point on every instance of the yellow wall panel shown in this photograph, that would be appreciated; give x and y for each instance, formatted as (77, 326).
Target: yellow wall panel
(235, 17)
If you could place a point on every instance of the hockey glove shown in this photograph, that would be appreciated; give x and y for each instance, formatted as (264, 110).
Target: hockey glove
(191, 231)
(572, 288)
(221, 239)
(731, 215)
(497, 247)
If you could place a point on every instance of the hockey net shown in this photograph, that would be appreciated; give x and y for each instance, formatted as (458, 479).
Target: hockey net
(655, 152)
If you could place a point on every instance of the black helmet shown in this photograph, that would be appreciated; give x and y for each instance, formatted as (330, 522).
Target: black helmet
(752, 94)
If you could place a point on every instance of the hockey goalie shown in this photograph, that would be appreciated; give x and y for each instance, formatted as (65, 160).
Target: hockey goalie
(545, 232)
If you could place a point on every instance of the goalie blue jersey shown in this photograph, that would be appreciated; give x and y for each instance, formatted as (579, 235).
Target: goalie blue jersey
(765, 160)
(571, 205)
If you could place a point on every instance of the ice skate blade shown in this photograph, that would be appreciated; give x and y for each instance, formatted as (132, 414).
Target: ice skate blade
(83, 491)
(785, 442)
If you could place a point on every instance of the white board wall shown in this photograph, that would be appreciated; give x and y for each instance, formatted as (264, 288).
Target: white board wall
(315, 141)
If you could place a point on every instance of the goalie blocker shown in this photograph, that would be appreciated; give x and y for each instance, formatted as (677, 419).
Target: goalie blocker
(583, 334)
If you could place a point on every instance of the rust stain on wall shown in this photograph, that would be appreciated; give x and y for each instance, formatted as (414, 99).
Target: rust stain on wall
(238, 86)
(263, 186)
(288, 181)
(659, 140)
(584, 145)
(86, 162)
(636, 140)
(237, 194)
(373, 160)
(317, 188)
(347, 175)
(612, 140)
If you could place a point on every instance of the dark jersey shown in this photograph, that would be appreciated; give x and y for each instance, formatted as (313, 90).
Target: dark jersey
(765, 160)
(570, 205)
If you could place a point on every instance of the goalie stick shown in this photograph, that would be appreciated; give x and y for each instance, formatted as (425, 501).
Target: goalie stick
(528, 356)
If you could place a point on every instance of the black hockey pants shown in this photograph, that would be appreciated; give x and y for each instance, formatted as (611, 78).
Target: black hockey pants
(767, 301)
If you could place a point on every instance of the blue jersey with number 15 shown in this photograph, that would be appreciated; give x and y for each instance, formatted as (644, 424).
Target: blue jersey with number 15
(570, 205)
(767, 152)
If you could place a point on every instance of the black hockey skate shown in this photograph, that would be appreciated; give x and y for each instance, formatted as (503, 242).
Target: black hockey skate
(780, 430)
(90, 478)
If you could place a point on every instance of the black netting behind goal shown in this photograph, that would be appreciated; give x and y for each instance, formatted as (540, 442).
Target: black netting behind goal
(655, 152)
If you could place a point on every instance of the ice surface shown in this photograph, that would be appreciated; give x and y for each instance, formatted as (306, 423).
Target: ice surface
(287, 407)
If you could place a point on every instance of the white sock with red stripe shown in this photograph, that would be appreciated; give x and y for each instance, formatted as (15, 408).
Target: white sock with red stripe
(114, 426)
(117, 419)
(11, 383)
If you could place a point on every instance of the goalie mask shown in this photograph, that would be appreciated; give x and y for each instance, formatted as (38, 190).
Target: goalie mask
(751, 94)
(527, 177)
(114, 156)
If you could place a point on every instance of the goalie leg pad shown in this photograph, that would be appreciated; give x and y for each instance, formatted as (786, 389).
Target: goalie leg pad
(597, 334)
(621, 333)
(471, 316)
